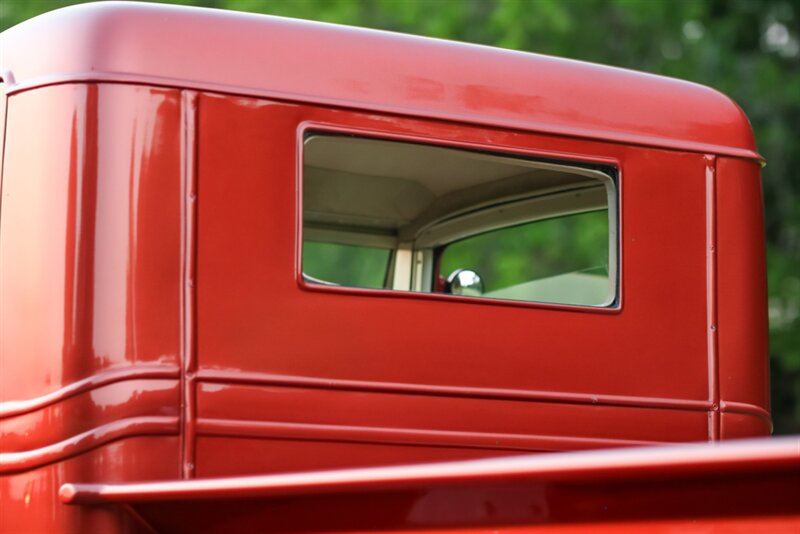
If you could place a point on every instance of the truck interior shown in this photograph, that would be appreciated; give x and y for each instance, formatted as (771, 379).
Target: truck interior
(405, 216)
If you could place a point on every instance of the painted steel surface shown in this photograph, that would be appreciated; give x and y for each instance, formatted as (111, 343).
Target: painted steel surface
(154, 324)
(90, 266)
(29, 498)
(523, 357)
(367, 69)
(742, 284)
(663, 487)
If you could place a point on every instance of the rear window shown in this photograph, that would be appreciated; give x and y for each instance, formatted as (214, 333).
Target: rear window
(401, 216)
(562, 259)
(346, 265)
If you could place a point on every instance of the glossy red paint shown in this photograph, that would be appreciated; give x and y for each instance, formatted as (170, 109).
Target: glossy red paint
(117, 41)
(154, 325)
(257, 327)
(697, 482)
(89, 278)
(29, 498)
(83, 293)
(113, 404)
(742, 286)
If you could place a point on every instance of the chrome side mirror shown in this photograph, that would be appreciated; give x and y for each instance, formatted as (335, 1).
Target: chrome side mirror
(464, 282)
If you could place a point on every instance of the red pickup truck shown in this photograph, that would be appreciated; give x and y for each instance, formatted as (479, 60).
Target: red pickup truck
(275, 275)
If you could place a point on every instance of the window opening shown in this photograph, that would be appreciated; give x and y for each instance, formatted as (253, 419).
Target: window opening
(402, 216)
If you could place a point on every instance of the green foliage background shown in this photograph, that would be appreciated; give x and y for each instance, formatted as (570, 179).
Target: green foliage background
(748, 49)
(519, 254)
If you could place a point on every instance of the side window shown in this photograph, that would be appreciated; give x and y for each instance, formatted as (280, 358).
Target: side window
(346, 265)
(560, 259)
(403, 216)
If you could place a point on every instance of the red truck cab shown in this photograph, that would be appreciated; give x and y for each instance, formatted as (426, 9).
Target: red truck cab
(238, 245)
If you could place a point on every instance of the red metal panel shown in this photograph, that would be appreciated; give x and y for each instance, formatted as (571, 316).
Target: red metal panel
(90, 264)
(744, 425)
(254, 318)
(366, 69)
(334, 428)
(82, 292)
(755, 482)
(249, 429)
(781, 524)
(34, 238)
(83, 413)
(742, 286)
(220, 456)
(499, 420)
(29, 499)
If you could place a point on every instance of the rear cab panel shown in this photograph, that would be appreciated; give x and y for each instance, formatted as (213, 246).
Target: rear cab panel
(346, 356)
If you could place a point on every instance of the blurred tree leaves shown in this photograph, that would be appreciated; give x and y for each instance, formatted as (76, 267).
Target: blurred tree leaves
(748, 49)
(532, 251)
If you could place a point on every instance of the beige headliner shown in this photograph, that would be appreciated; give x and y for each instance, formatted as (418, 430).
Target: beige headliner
(402, 187)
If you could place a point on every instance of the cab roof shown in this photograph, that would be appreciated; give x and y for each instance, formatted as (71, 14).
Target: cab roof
(328, 64)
